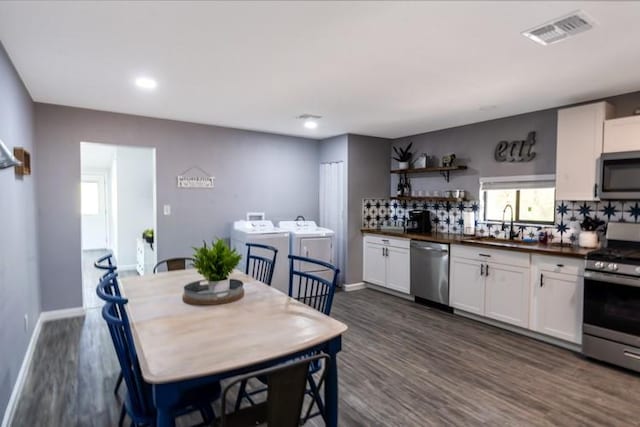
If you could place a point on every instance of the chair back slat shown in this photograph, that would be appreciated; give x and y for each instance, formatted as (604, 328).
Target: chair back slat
(258, 266)
(106, 262)
(313, 288)
(115, 315)
(172, 264)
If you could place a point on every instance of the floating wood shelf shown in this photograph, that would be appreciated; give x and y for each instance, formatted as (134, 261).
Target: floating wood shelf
(444, 171)
(25, 159)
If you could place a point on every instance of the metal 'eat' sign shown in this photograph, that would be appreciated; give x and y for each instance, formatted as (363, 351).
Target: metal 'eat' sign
(516, 151)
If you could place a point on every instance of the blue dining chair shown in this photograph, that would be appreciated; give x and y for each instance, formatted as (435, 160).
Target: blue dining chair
(261, 267)
(138, 404)
(315, 290)
(108, 264)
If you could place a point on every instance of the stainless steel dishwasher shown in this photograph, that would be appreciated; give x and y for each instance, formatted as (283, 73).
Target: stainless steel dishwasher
(430, 271)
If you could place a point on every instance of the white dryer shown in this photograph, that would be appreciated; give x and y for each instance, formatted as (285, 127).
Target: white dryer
(309, 240)
(263, 232)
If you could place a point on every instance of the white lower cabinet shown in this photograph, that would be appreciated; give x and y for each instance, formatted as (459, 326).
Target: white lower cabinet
(507, 294)
(386, 262)
(537, 292)
(491, 283)
(467, 285)
(557, 297)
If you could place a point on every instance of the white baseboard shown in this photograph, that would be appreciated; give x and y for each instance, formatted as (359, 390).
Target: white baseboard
(127, 267)
(390, 292)
(350, 287)
(45, 316)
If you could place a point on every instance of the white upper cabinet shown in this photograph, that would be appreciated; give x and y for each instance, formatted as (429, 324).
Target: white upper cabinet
(579, 145)
(622, 134)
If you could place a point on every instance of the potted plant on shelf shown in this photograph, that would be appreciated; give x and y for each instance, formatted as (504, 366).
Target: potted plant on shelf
(403, 156)
(215, 263)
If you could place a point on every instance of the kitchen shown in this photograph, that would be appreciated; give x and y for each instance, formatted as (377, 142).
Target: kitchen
(513, 146)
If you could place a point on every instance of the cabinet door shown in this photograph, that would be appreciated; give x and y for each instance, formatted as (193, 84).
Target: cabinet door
(507, 294)
(579, 144)
(558, 305)
(374, 263)
(466, 285)
(622, 134)
(398, 269)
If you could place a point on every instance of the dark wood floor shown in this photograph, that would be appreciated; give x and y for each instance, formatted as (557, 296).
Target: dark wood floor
(402, 365)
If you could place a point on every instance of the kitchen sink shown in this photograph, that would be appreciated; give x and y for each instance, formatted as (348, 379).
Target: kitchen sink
(500, 242)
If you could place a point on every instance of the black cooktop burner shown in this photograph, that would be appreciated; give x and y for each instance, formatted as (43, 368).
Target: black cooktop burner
(620, 255)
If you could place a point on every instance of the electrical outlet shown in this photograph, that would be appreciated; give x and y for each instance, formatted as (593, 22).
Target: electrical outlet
(167, 209)
(26, 322)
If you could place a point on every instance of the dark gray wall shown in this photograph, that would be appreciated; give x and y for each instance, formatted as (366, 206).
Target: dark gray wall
(368, 177)
(254, 172)
(19, 290)
(474, 146)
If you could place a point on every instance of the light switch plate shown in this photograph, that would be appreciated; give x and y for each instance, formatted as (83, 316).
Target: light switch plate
(167, 209)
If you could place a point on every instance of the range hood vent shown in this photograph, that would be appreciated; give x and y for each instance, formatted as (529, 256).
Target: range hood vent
(560, 28)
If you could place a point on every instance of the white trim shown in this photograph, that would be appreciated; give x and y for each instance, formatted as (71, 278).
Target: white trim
(390, 292)
(531, 334)
(127, 267)
(518, 178)
(350, 287)
(22, 375)
(45, 316)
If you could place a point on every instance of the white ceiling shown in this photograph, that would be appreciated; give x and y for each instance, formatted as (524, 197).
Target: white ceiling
(387, 69)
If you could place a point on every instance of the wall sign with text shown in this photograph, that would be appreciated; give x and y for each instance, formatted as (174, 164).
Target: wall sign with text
(204, 181)
(516, 151)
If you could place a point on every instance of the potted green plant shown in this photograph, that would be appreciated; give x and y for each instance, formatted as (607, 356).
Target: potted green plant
(215, 263)
(147, 235)
(403, 156)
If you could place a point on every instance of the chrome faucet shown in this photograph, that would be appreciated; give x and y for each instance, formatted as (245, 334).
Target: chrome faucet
(512, 234)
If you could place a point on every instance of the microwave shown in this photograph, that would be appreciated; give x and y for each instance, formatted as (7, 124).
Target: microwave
(619, 175)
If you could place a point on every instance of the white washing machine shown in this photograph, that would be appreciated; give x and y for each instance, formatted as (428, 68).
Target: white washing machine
(265, 233)
(309, 240)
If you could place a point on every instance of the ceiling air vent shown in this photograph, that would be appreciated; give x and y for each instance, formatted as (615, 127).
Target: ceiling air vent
(560, 28)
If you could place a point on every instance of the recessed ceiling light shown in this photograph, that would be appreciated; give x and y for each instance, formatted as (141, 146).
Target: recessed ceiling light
(146, 83)
(310, 120)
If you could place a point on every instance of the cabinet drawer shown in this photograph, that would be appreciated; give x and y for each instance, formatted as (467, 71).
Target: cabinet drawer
(560, 265)
(499, 256)
(387, 241)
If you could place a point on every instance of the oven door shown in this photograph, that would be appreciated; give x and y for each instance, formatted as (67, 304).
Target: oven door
(619, 175)
(612, 306)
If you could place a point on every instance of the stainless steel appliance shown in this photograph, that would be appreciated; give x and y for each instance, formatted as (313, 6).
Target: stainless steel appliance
(611, 327)
(419, 221)
(430, 271)
(619, 175)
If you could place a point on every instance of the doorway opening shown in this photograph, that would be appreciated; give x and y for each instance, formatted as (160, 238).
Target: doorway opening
(118, 204)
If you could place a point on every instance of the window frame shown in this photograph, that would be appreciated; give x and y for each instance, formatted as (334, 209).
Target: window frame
(515, 183)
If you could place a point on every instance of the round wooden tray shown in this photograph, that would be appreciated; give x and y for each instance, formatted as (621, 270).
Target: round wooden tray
(197, 293)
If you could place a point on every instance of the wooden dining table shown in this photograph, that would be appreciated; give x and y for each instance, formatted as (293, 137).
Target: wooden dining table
(181, 346)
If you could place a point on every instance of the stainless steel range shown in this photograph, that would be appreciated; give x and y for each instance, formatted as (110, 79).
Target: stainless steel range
(611, 327)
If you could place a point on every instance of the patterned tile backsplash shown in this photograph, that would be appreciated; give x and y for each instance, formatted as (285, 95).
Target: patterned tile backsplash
(447, 216)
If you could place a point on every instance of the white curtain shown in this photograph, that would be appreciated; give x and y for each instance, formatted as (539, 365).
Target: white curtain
(332, 208)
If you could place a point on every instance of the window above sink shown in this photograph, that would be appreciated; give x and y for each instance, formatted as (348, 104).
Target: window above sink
(532, 199)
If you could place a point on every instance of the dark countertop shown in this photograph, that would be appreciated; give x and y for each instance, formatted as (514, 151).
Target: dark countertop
(554, 250)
